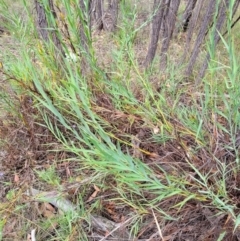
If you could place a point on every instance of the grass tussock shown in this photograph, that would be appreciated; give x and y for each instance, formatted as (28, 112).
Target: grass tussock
(116, 152)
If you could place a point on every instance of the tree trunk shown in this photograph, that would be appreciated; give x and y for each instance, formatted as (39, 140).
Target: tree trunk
(42, 24)
(85, 33)
(46, 28)
(217, 34)
(97, 13)
(85, 25)
(192, 23)
(170, 20)
(111, 16)
(219, 24)
(235, 8)
(187, 14)
(114, 12)
(158, 11)
(202, 32)
(55, 37)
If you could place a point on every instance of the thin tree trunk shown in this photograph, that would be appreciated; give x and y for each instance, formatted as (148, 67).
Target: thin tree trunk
(217, 36)
(85, 25)
(44, 25)
(170, 21)
(114, 13)
(158, 10)
(187, 14)
(202, 32)
(55, 36)
(192, 24)
(235, 8)
(85, 33)
(220, 21)
(111, 16)
(97, 13)
(234, 23)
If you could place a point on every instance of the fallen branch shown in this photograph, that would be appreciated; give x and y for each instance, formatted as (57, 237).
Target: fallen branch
(98, 223)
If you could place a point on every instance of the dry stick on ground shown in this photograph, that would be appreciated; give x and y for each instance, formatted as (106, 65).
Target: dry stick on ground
(201, 35)
(158, 227)
(98, 223)
(170, 20)
(33, 235)
(158, 9)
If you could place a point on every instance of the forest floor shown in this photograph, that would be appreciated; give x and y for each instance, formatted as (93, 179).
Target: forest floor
(42, 181)
(21, 157)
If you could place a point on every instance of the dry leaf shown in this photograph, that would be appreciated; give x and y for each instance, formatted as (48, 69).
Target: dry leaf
(78, 179)
(153, 155)
(136, 150)
(155, 130)
(97, 190)
(47, 210)
(68, 172)
(9, 226)
(16, 178)
(29, 237)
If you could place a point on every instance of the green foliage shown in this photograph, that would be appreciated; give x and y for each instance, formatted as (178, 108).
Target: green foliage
(174, 112)
(49, 175)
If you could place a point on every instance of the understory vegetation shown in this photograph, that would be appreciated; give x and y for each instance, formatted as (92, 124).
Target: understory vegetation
(95, 146)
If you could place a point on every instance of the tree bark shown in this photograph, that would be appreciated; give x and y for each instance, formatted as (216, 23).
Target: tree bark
(187, 14)
(219, 24)
(217, 33)
(114, 13)
(85, 34)
(202, 32)
(170, 20)
(110, 16)
(97, 13)
(158, 11)
(42, 23)
(55, 36)
(85, 24)
(47, 30)
(192, 24)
